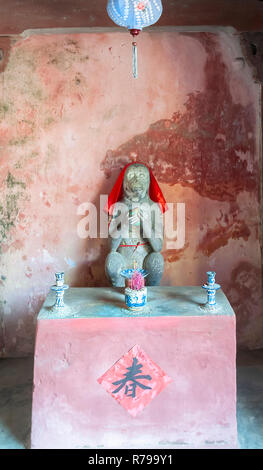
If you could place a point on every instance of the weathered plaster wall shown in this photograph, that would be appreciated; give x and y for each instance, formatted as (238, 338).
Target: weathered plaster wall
(72, 115)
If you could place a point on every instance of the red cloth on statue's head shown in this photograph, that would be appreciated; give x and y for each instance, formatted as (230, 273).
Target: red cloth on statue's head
(116, 194)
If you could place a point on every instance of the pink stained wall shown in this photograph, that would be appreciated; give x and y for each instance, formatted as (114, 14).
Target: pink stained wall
(72, 115)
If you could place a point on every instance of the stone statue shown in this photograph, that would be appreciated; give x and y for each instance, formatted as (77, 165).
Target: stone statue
(136, 230)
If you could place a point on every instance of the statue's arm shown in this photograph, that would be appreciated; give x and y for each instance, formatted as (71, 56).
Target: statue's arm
(114, 239)
(153, 229)
(156, 243)
(114, 243)
(117, 226)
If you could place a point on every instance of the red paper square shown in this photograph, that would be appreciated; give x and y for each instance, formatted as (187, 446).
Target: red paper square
(134, 380)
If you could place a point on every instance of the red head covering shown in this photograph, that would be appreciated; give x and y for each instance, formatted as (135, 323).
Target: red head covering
(155, 192)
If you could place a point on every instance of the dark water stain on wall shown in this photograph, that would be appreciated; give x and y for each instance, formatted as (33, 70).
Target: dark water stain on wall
(9, 206)
(243, 290)
(173, 255)
(218, 236)
(5, 46)
(207, 147)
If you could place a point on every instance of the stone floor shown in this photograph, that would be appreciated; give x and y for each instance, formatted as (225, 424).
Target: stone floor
(16, 393)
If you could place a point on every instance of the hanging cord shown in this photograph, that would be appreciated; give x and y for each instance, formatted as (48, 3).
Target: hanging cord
(134, 60)
(134, 32)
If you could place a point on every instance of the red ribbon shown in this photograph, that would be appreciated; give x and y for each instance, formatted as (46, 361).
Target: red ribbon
(116, 193)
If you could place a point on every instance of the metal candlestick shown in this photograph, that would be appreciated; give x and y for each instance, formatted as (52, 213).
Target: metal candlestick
(211, 289)
(59, 288)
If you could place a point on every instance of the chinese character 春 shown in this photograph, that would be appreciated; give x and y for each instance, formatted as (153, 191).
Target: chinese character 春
(133, 375)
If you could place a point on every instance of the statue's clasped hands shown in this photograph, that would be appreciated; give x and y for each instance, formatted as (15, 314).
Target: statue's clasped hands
(139, 216)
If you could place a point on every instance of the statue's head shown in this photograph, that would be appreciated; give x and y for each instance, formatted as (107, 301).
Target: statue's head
(136, 182)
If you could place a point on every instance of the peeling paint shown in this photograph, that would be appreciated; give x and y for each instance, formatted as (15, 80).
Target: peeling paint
(219, 236)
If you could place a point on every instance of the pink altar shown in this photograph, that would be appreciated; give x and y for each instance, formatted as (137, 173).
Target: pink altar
(104, 378)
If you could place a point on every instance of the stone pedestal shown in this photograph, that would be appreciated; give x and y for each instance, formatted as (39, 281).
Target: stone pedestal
(195, 349)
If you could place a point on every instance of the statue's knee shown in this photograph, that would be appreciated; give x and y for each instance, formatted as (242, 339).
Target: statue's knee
(154, 261)
(114, 262)
(154, 264)
(113, 266)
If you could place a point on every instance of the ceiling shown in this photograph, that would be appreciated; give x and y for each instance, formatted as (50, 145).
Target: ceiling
(17, 16)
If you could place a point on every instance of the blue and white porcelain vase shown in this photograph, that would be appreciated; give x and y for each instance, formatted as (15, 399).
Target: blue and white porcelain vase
(135, 300)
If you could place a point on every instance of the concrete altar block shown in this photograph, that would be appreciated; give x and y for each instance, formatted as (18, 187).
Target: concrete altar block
(195, 348)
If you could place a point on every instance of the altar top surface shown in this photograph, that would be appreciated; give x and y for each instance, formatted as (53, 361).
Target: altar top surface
(163, 301)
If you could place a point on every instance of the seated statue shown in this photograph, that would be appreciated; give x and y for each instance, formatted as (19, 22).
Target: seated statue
(136, 226)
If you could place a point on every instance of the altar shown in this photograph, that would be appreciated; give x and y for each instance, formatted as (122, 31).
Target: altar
(183, 394)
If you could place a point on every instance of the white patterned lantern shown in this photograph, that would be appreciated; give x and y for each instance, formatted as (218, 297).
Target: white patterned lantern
(134, 15)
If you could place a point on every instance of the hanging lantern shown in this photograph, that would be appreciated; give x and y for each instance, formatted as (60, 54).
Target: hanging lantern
(134, 15)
